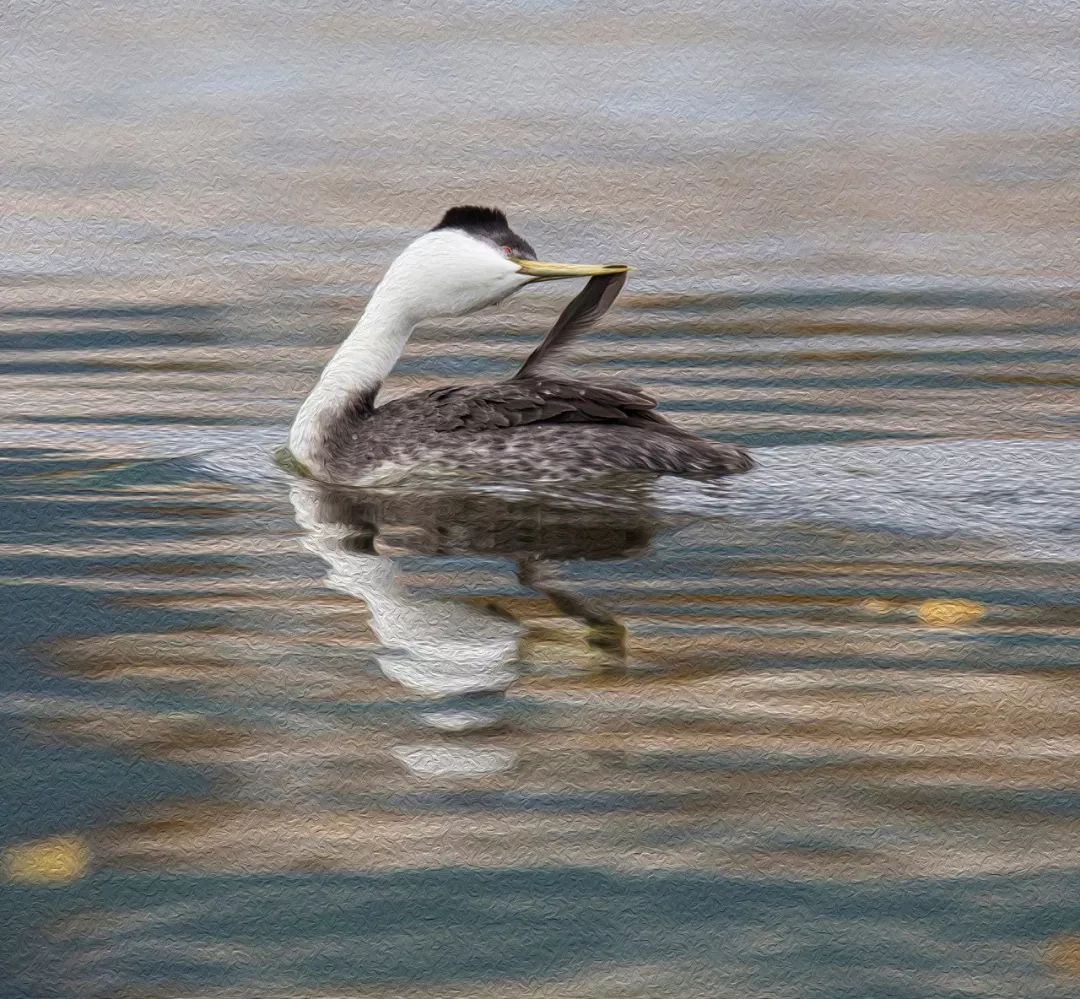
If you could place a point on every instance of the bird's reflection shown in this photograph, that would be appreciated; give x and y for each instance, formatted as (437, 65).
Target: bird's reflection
(462, 655)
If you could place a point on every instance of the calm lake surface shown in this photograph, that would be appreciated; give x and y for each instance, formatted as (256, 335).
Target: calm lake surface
(809, 732)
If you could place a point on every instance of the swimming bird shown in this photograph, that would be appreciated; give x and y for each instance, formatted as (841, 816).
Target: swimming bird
(541, 424)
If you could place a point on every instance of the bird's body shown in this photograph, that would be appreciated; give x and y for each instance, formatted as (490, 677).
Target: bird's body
(542, 424)
(544, 428)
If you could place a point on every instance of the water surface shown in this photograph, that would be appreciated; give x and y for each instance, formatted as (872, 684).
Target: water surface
(807, 732)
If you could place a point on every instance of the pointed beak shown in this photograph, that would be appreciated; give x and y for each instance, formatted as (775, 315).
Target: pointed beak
(539, 270)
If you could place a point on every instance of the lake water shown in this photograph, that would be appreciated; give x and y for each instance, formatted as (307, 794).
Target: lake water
(809, 732)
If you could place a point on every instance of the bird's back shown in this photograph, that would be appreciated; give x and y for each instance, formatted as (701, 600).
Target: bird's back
(535, 428)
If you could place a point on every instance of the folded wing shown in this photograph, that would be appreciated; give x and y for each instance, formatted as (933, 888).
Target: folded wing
(522, 401)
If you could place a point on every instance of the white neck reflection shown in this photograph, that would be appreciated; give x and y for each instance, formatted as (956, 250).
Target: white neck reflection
(459, 655)
(438, 648)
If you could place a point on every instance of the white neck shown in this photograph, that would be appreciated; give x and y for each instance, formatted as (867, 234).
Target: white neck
(360, 366)
(442, 273)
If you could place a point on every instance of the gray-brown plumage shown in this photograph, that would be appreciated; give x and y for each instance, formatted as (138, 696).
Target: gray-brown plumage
(542, 423)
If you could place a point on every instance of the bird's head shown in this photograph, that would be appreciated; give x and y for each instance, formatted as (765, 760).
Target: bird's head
(470, 260)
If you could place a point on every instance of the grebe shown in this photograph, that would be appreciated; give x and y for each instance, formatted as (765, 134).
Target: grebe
(541, 424)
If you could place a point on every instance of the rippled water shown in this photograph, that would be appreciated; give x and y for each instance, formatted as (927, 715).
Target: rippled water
(808, 732)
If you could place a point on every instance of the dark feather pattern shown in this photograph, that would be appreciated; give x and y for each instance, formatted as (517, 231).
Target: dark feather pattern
(524, 428)
(580, 315)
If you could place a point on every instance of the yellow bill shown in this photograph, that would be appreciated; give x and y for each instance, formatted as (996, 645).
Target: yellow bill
(543, 271)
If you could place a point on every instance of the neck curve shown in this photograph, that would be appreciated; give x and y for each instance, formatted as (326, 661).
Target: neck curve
(352, 378)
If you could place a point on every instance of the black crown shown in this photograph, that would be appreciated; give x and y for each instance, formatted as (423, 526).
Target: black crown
(474, 217)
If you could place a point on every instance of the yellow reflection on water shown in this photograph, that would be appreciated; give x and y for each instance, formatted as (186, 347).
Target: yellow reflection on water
(1063, 955)
(951, 612)
(58, 860)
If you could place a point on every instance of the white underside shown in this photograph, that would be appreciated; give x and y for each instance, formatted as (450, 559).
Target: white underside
(392, 473)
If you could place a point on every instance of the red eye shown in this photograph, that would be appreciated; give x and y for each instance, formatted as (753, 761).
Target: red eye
(508, 250)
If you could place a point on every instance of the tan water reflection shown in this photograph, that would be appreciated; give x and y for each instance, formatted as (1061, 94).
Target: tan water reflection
(746, 771)
(507, 683)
